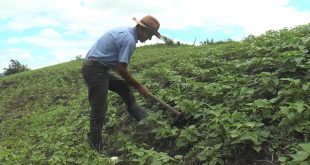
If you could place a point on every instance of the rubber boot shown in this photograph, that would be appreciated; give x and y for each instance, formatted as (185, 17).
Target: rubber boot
(137, 112)
(95, 141)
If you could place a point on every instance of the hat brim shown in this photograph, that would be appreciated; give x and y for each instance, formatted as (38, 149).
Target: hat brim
(156, 33)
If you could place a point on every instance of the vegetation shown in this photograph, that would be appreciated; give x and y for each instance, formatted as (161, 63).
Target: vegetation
(249, 99)
(169, 41)
(15, 67)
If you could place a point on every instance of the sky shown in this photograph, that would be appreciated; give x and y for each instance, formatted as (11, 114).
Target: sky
(40, 33)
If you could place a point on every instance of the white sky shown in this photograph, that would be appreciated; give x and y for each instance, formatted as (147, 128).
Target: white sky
(45, 32)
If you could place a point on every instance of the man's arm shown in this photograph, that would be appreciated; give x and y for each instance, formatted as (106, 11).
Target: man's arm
(123, 71)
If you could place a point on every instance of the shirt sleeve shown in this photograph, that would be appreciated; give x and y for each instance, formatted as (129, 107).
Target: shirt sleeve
(126, 48)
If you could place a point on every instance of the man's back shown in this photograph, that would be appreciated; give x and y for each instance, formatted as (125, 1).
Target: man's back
(116, 45)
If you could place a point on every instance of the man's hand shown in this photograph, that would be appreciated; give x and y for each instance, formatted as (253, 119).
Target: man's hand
(143, 90)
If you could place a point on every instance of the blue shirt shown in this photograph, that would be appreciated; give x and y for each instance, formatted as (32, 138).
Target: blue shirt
(116, 45)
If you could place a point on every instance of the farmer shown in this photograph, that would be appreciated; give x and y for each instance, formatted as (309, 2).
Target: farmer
(113, 51)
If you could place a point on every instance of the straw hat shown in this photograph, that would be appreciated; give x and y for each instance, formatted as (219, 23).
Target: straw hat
(150, 23)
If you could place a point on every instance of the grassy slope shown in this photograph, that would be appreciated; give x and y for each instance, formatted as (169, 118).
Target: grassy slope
(250, 99)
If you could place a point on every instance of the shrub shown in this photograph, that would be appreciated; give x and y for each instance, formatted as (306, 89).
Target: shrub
(15, 67)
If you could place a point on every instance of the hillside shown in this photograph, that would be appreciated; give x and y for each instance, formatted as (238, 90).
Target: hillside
(249, 99)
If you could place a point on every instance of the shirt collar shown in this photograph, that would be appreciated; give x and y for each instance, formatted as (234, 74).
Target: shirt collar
(134, 32)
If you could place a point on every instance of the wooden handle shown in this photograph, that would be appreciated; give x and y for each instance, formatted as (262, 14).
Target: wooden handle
(164, 104)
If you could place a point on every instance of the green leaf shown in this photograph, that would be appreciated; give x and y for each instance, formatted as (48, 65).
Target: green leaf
(178, 156)
(305, 40)
(299, 106)
(234, 133)
(250, 124)
(298, 60)
(257, 148)
(300, 156)
(304, 163)
(139, 153)
(189, 137)
(305, 147)
(290, 115)
(250, 136)
(217, 146)
(305, 87)
(202, 156)
(303, 49)
(261, 103)
(282, 159)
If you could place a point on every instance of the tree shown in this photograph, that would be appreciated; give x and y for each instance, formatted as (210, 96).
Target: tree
(168, 41)
(78, 57)
(15, 67)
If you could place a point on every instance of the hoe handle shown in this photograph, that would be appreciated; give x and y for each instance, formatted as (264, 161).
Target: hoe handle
(164, 104)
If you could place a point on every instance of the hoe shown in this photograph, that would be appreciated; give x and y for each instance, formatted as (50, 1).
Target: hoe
(180, 120)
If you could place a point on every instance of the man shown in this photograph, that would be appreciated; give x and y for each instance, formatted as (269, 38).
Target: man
(113, 52)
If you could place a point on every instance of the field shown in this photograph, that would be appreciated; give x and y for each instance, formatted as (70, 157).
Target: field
(249, 99)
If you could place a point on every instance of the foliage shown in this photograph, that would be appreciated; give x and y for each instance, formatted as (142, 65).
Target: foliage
(167, 40)
(78, 57)
(212, 42)
(249, 101)
(15, 67)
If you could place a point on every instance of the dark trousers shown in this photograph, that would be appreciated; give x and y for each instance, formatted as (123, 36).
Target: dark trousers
(99, 81)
